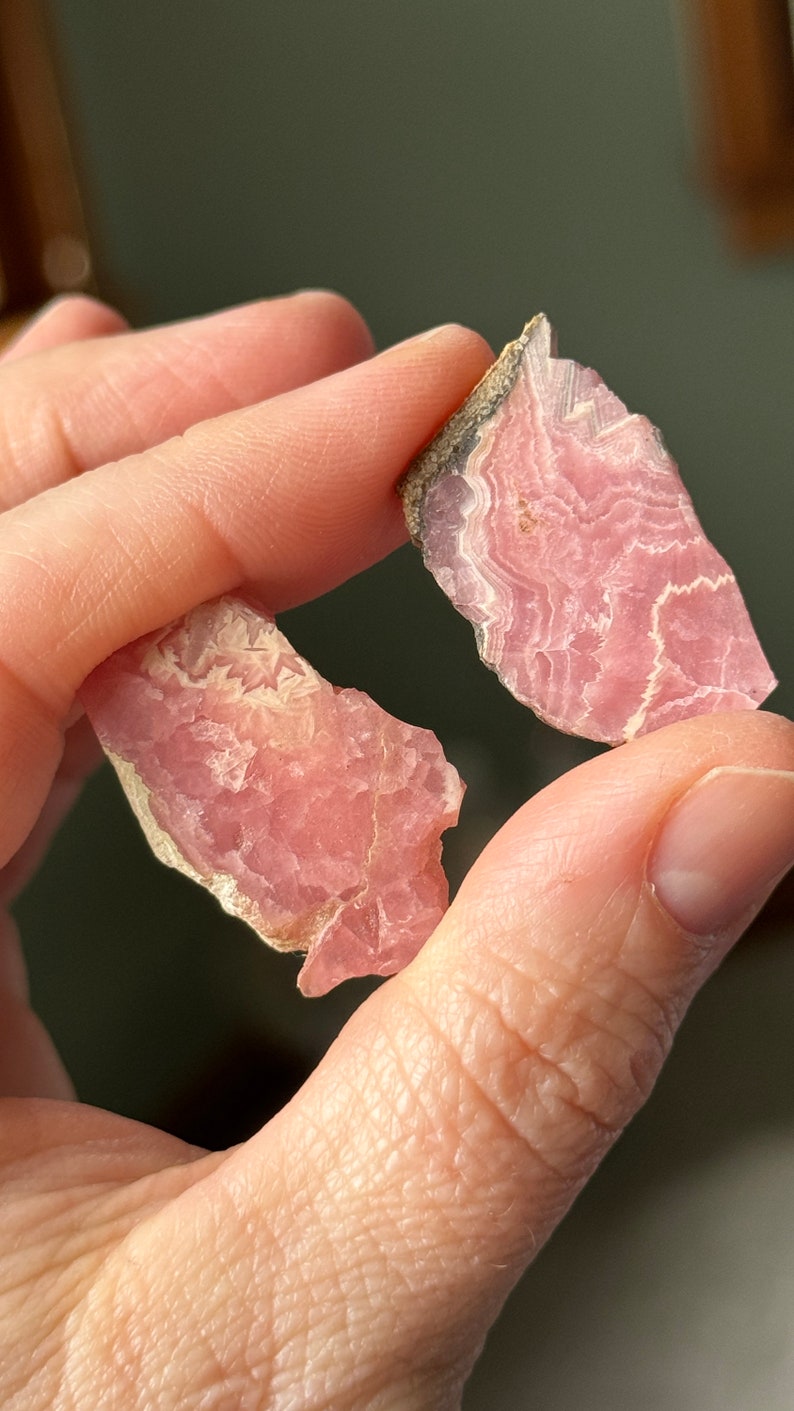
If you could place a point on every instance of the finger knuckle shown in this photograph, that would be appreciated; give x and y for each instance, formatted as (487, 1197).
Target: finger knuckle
(563, 1059)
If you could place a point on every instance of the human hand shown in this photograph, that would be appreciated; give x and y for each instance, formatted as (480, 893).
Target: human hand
(354, 1252)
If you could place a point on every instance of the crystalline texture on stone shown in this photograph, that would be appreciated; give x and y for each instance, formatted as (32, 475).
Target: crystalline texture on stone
(306, 809)
(557, 523)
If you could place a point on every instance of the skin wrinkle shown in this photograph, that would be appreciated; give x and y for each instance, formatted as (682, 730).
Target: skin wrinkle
(260, 1302)
(46, 439)
(57, 434)
(660, 1043)
(486, 1102)
(118, 386)
(669, 1013)
(73, 1266)
(186, 363)
(305, 1296)
(552, 1067)
(121, 394)
(439, 1155)
(414, 1087)
(200, 510)
(672, 1006)
(387, 1132)
(204, 501)
(114, 580)
(227, 1367)
(572, 980)
(328, 1116)
(576, 986)
(538, 1107)
(257, 536)
(61, 1246)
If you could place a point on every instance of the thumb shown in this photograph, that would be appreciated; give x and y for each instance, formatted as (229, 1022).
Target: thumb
(360, 1245)
(467, 1102)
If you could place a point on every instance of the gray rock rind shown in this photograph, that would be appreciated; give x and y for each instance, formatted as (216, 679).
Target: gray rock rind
(453, 444)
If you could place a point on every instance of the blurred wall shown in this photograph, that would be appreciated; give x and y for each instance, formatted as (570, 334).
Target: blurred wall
(473, 160)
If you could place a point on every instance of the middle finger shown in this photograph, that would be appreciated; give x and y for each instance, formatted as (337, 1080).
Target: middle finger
(76, 407)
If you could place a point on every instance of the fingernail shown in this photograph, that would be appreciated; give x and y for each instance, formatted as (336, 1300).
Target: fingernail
(723, 848)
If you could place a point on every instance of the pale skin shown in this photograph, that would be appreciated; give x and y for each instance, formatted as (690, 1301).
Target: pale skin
(354, 1253)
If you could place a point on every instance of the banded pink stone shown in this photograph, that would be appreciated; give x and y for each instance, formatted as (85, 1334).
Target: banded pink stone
(557, 523)
(306, 809)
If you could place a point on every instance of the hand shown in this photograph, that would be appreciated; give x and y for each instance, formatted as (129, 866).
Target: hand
(354, 1252)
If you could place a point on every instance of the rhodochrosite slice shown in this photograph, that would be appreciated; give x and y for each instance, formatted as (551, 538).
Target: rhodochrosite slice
(307, 810)
(558, 525)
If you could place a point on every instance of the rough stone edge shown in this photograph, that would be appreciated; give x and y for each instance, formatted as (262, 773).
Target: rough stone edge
(458, 437)
(220, 885)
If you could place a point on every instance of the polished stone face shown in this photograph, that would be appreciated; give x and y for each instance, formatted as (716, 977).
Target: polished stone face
(557, 523)
(307, 810)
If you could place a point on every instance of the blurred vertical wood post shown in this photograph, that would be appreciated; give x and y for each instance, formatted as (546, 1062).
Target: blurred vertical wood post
(744, 74)
(43, 244)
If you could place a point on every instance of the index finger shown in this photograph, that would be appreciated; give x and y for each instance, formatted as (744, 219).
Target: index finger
(291, 496)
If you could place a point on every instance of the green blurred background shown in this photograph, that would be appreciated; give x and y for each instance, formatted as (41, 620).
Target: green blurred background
(469, 160)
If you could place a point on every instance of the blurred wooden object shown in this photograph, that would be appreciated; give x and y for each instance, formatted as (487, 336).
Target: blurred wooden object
(744, 76)
(43, 244)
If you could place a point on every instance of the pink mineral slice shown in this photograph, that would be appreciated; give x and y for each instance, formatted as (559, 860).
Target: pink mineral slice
(306, 809)
(557, 523)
